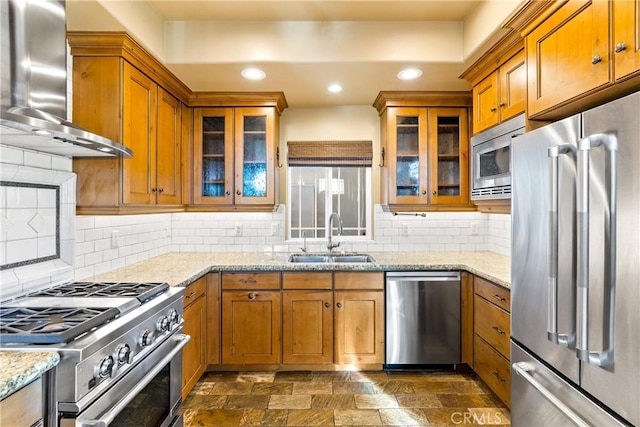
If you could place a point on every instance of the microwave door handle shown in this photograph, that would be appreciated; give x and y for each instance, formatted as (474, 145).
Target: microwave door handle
(110, 415)
(609, 143)
(564, 339)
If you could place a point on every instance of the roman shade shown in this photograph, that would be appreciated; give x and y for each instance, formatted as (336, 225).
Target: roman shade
(330, 153)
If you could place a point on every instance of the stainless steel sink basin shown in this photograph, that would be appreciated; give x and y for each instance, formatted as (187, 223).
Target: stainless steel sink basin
(331, 258)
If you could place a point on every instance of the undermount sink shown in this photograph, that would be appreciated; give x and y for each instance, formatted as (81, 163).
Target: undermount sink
(325, 258)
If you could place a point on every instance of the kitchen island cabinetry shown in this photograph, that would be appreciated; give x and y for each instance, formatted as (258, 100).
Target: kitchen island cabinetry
(129, 106)
(251, 316)
(359, 318)
(580, 55)
(491, 336)
(425, 147)
(25, 407)
(194, 354)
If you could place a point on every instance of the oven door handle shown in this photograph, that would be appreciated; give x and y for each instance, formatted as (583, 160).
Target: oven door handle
(110, 415)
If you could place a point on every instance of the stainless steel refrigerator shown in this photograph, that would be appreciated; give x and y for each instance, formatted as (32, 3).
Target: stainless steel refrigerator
(575, 305)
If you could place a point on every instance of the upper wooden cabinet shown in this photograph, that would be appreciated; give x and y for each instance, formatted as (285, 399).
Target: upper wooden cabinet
(426, 151)
(576, 51)
(235, 156)
(116, 96)
(501, 95)
(626, 37)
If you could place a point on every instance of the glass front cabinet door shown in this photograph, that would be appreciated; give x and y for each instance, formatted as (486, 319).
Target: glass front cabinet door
(234, 156)
(449, 154)
(427, 151)
(407, 154)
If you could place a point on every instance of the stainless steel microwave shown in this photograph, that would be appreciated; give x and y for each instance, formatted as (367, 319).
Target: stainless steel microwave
(491, 160)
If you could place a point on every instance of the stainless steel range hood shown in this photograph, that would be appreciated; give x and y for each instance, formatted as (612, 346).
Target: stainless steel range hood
(34, 84)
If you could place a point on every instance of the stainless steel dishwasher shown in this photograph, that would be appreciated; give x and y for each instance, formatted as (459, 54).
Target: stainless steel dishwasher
(422, 318)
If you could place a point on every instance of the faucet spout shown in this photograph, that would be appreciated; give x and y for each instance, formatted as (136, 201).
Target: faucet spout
(334, 216)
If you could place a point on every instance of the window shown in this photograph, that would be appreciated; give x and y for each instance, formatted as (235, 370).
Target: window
(326, 177)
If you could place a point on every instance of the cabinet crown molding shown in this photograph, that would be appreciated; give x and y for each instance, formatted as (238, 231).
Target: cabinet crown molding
(422, 99)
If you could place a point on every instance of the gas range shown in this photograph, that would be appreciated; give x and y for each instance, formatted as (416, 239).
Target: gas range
(102, 331)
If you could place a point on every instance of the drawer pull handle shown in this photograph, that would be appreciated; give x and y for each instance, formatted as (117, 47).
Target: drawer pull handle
(493, 109)
(249, 281)
(190, 295)
(498, 330)
(497, 375)
(499, 298)
(596, 59)
(620, 47)
(252, 296)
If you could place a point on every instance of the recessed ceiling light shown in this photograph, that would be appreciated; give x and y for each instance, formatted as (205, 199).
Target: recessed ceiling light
(334, 88)
(253, 74)
(409, 74)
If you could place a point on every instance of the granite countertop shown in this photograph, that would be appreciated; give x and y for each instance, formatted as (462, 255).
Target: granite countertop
(19, 368)
(181, 269)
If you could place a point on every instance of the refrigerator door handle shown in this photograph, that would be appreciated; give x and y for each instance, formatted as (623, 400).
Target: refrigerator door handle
(564, 339)
(523, 369)
(602, 358)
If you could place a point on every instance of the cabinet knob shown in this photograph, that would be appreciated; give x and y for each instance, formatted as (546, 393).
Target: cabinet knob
(621, 47)
(434, 193)
(326, 304)
(153, 190)
(493, 109)
(339, 305)
(252, 296)
(502, 104)
(228, 193)
(238, 192)
(161, 190)
(596, 59)
(424, 192)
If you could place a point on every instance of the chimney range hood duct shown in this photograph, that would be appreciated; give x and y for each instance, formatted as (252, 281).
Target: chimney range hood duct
(34, 84)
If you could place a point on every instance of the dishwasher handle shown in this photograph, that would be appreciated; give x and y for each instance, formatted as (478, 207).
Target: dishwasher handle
(424, 276)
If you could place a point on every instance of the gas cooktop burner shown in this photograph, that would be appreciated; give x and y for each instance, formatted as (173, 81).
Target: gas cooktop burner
(50, 325)
(141, 291)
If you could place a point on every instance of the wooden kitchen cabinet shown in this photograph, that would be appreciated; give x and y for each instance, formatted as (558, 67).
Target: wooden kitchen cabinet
(213, 319)
(194, 354)
(307, 327)
(131, 107)
(575, 54)
(501, 95)
(307, 318)
(235, 156)
(24, 407)
(251, 319)
(359, 318)
(491, 347)
(426, 151)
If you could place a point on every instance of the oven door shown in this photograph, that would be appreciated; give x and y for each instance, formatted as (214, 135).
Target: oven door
(148, 395)
(492, 168)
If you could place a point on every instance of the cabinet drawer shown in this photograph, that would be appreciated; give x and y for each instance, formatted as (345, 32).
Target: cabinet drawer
(493, 369)
(195, 291)
(358, 280)
(491, 292)
(250, 280)
(306, 280)
(492, 324)
(24, 407)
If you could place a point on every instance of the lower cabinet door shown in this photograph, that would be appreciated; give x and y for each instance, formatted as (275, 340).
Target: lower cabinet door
(251, 327)
(359, 327)
(194, 353)
(307, 327)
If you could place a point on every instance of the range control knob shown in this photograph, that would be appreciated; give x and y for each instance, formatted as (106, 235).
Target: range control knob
(146, 338)
(162, 324)
(173, 316)
(106, 368)
(123, 354)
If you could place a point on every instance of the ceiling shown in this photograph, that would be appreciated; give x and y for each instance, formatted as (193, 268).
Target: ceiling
(305, 45)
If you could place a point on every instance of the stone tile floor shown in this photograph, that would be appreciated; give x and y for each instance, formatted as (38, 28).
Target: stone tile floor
(342, 399)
